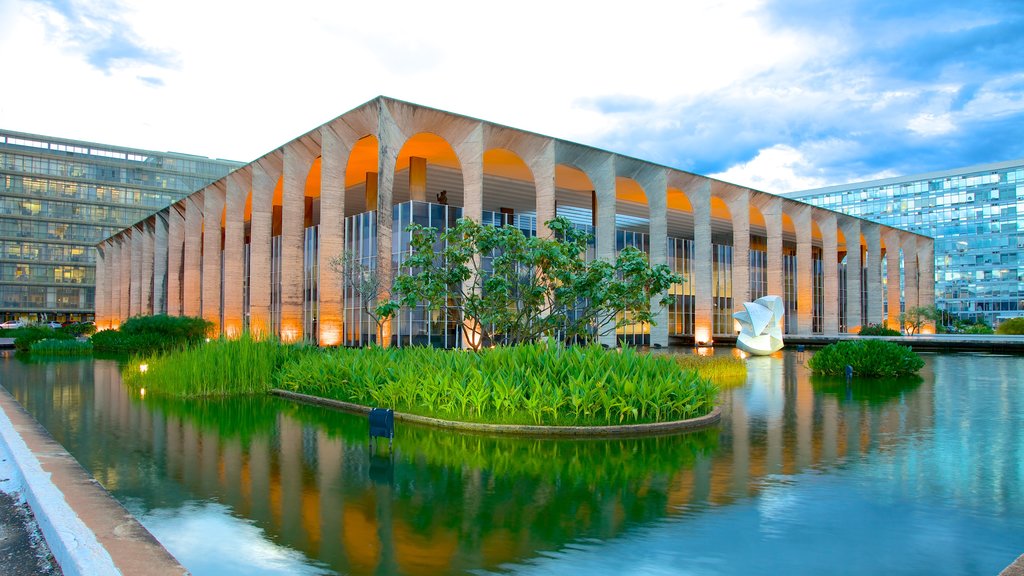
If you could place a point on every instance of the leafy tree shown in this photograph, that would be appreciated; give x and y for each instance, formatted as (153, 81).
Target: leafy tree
(505, 286)
(913, 319)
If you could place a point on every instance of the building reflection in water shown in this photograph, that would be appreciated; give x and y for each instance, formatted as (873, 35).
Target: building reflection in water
(285, 476)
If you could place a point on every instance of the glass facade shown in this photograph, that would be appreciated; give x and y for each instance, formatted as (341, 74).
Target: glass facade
(975, 216)
(59, 197)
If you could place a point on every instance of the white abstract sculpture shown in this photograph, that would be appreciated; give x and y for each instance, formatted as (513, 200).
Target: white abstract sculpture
(760, 326)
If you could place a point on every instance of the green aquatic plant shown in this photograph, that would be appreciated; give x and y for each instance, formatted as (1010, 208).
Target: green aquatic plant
(61, 347)
(869, 358)
(527, 384)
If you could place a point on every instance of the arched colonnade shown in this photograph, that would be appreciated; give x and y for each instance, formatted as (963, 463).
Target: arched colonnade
(253, 251)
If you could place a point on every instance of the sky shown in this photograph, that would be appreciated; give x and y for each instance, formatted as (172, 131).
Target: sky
(777, 95)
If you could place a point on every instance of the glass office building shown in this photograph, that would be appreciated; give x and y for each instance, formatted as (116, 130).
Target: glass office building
(975, 215)
(60, 197)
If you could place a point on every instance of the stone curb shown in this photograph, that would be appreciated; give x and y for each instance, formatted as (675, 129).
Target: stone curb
(652, 429)
(72, 543)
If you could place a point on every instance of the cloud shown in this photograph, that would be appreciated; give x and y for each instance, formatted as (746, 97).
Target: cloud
(855, 87)
(96, 30)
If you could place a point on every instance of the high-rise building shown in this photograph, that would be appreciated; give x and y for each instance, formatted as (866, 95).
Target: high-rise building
(59, 197)
(975, 214)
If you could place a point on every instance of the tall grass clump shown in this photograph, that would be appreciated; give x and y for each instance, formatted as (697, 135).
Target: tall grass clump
(870, 358)
(217, 368)
(61, 347)
(144, 334)
(722, 370)
(525, 384)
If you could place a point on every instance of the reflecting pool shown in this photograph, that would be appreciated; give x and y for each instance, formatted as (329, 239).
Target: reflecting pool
(803, 475)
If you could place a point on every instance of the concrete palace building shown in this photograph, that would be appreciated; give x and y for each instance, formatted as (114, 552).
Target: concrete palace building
(975, 214)
(252, 250)
(59, 197)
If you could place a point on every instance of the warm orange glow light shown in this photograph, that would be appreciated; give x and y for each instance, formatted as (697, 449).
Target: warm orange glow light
(702, 335)
(330, 334)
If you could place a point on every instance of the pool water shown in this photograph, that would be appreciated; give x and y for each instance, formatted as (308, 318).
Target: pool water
(804, 475)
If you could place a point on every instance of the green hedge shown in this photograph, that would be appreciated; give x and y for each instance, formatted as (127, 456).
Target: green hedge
(870, 358)
(1011, 326)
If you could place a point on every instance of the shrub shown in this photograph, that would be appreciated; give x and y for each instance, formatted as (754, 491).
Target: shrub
(144, 334)
(29, 335)
(878, 330)
(722, 370)
(1011, 326)
(978, 328)
(870, 358)
(61, 347)
(79, 329)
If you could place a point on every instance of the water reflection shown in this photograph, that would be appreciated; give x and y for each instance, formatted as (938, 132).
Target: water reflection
(298, 487)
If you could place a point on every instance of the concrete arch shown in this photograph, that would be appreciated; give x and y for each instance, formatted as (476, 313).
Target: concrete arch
(361, 176)
(417, 153)
(508, 185)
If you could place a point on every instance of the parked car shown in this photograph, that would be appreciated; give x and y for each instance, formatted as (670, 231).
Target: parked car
(53, 324)
(12, 324)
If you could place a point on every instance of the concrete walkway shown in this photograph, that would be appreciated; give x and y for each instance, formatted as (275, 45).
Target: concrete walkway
(87, 530)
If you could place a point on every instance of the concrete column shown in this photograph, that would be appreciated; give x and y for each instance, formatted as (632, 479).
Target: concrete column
(926, 276)
(135, 303)
(191, 304)
(602, 175)
(830, 271)
(739, 207)
(297, 162)
(418, 179)
(873, 262)
(236, 191)
(543, 168)
(126, 274)
(772, 211)
(471, 156)
(851, 230)
(892, 274)
(700, 199)
(213, 211)
(175, 256)
(102, 298)
(114, 281)
(911, 284)
(390, 140)
(334, 159)
(265, 174)
(160, 255)
(804, 271)
(655, 185)
(147, 268)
